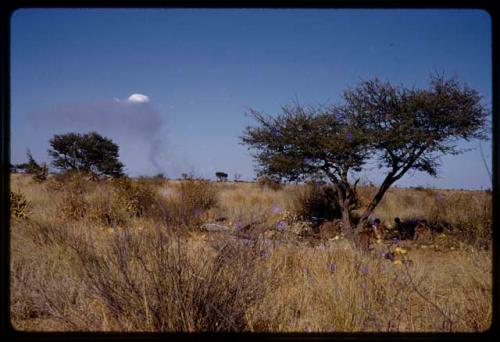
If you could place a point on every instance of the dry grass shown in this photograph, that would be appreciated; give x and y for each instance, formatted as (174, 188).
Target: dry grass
(136, 260)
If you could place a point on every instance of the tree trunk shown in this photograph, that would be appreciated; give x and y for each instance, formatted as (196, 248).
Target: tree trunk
(374, 202)
(347, 228)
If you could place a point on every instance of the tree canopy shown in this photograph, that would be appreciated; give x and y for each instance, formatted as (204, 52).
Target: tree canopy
(39, 172)
(88, 152)
(222, 176)
(401, 128)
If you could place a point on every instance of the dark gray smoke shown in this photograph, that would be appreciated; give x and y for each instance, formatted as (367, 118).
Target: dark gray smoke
(137, 127)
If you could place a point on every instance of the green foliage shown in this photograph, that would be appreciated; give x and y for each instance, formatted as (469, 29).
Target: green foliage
(222, 176)
(89, 152)
(402, 128)
(412, 128)
(304, 142)
(39, 172)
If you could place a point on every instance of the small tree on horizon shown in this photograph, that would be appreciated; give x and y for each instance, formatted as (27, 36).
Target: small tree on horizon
(39, 172)
(402, 129)
(88, 152)
(221, 176)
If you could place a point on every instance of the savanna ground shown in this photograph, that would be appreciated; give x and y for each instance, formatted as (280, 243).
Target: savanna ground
(131, 255)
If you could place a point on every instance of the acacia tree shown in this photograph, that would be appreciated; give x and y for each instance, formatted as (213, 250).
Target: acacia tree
(88, 152)
(222, 176)
(400, 128)
(309, 143)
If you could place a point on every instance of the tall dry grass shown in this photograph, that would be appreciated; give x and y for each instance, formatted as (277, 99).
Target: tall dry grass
(127, 267)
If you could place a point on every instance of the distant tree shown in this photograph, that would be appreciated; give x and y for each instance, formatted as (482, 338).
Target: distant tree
(221, 176)
(160, 175)
(38, 172)
(188, 176)
(403, 129)
(88, 152)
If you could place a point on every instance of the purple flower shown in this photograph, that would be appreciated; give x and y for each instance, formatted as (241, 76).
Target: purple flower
(281, 225)
(238, 225)
(318, 184)
(332, 267)
(274, 131)
(264, 253)
(276, 209)
(364, 269)
(349, 136)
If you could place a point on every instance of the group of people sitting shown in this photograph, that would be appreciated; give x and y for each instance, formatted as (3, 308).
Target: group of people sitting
(409, 230)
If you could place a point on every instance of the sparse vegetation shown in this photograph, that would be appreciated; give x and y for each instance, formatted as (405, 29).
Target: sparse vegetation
(401, 128)
(129, 255)
(269, 183)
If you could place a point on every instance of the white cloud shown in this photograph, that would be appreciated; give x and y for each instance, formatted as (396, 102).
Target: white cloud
(138, 98)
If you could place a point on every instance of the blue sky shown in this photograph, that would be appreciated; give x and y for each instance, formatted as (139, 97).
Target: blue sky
(73, 70)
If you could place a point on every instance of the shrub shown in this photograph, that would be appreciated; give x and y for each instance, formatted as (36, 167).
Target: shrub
(73, 185)
(71, 181)
(139, 198)
(194, 199)
(317, 202)
(153, 282)
(39, 172)
(106, 209)
(19, 205)
(73, 205)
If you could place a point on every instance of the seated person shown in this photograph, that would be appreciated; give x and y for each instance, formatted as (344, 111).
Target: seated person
(378, 229)
(422, 233)
(398, 227)
(407, 229)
